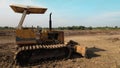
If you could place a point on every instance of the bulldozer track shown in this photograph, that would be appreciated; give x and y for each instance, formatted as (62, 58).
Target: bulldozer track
(32, 47)
(60, 51)
(14, 65)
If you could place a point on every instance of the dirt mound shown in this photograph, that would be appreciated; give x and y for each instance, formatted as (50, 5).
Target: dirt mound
(115, 39)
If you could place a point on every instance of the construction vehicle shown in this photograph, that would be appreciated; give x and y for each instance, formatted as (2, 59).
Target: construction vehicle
(35, 44)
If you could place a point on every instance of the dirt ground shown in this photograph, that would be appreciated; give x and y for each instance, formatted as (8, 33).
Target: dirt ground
(103, 51)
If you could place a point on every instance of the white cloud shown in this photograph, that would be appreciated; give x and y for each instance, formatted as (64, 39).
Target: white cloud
(10, 18)
(3, 3)
(25, 2)
(103, 19)
(110, 19)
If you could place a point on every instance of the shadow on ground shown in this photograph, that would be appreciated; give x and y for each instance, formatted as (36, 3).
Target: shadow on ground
(90, 53)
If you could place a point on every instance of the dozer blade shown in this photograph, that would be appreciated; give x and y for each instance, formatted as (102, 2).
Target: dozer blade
(80, 50)
(77, 48)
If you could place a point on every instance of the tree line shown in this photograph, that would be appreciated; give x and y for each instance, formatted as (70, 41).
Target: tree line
(71, 28)
(86, 28)
(6, 27)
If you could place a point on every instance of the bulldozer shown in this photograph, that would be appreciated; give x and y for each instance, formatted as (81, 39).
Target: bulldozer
(35, 44)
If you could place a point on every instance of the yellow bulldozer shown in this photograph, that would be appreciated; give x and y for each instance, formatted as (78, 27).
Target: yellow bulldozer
(35, 44)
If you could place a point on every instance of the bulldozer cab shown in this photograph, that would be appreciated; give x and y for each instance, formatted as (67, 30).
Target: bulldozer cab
(31, 35)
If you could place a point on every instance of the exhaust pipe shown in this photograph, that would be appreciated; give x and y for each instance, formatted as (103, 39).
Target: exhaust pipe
(50, 22)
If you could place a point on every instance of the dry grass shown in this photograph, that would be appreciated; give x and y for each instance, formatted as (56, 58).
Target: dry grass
(106, 50)
(103, 51)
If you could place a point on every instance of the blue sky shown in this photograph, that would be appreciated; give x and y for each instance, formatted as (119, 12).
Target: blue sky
(65, 13)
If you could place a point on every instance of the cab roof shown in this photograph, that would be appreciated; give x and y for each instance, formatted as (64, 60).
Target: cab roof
(30, 9)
